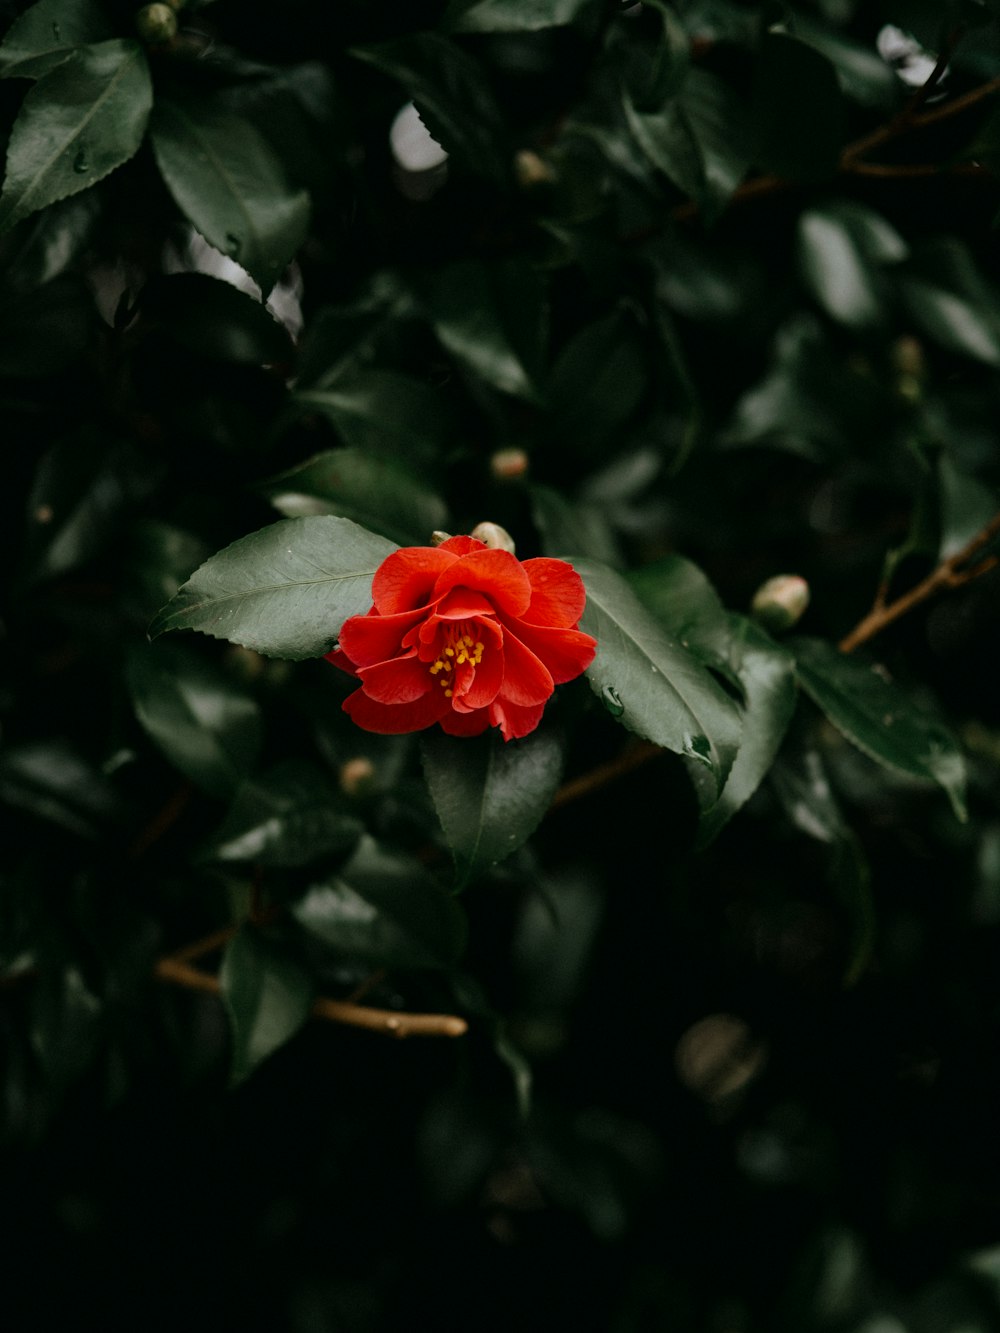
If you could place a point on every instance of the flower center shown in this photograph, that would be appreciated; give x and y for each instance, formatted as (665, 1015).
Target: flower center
(460, 649)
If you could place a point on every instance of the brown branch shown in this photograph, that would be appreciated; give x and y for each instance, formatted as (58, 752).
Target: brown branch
(634, 757)
(950, 573)
(906, 170)
(161, 822)
(386, 1021)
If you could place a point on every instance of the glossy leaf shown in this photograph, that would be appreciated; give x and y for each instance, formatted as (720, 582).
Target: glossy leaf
(596, 383)
(47, 34)
(90, 113)
(491, 318)
(284, 591)
(797, 110)
(766, 672)
(228, 182)
(290, 816)
(267, 997)
(880, 719)
(201, 720)
(655, 687)
(383, 496)
(383, 412)
(955, 320)
(679, 596)
(842, 248)
(384, 909)
(511, 15)
(490, 795)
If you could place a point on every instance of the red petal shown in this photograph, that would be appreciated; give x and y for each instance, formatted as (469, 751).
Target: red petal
(515, 722)
(466, 724)
(395, 719)
(373, 638)
(462, 545)
(404, 579)
(557, 593)
(400, 681)
(498, 574)
(463, 604)
(526, 680)
(565, 652)
(341, 660)
(485, 682)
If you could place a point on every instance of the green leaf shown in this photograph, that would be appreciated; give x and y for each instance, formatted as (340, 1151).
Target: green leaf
(46, 34)
(159, 557)
(80, 121)
(230, 185)
(880, 719)
(51, 780)
(797, 111)
(384, 909)
(511, 15)
(44, 331)
(573, 526)
(766, 673)
(596, 384)
(653, 686)
(49, 244)
(966, 507)
(491, 318)
(679, 596)
(719, 121)
(284, 591)
(956, 321)
(204, 724)
(490, 795)
(267, 997)
(667, 139)
(863, 75)
(451, 91)
(375, 492)
(841, 249)
(214, 319)
(383, 412)
(290, 816)
(66, 1022)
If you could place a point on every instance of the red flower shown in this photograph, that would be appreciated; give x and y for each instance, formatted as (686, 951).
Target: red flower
(466, 636)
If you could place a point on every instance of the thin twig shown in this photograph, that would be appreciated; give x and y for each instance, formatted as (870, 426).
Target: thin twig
(950, 573)
(386, 1021)
(634, 757)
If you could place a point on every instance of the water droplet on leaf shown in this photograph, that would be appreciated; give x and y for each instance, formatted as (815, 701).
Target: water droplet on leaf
(233, 244)
(697, 747)
(56, 32)
(80, 162)
(612, 701)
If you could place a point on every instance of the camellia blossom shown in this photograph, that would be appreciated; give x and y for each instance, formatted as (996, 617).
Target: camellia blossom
(463, 635)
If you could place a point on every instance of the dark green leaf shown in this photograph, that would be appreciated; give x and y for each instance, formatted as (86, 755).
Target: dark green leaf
(864, 76)
(679, 596)
(719, 121)
(667, 139)
(65, 1025)
(50, 243)
(381, 495)
(46, 34)
(451, 91)
(842, 247)
(797, 111)
(383, 412)
(956, 321)
(596, 384)
(491, 318)
(214, 319)
(490, 795)
(573, 526)
(267, 996)
(159, 558)
(766, 673)
(880, 719)
(51, 780)
(79, 122)
(511, 15)
(966, 507)
(384, 909)
(43, 331)
(229, 184)
(654, 686)
(200, 719)
(284, 591)
(290, 816)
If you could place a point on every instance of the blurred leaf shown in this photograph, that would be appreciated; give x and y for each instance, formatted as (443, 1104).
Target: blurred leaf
(227, 181)
(204, 724)
(966, 507)
(864, 76)
(490, 795)
(45, 246)
(575, 527)
(719, 122)
(452, 94)
(375, 492)
(159, 558)
(290, 816)
(880, 719)
(66, 1021)
(213, 319)
(841, 248)
(50, 779)
(383, 412)
(43, 331)
(766, 673)
(652, 685)
(267, 996)
(667, 139)
(384, 909)
(90, 112)
(491, 318)
(961, 324)
(46, 34)
(284, 591)
(80, 490)
(797, 111)
(511, 15)
(596, 384)
(553, 940)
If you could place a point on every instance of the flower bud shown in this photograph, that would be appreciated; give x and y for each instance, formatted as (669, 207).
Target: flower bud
(437, 537)
(531, 170)
(780, 602)
(493, 536)
(357, 776)
(156, 24)
(509, 464)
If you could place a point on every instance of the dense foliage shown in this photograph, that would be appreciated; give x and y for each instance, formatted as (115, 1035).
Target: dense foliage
(699, 976)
